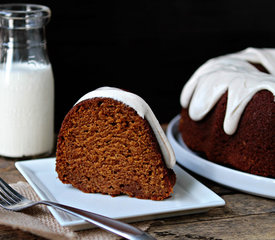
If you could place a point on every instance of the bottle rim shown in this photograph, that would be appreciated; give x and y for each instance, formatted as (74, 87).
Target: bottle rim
(21, 15)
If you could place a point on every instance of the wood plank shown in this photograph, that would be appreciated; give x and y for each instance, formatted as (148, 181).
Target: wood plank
(8, 171)
(243, 217)
(237, 205)
(244, 227)
(8, 233)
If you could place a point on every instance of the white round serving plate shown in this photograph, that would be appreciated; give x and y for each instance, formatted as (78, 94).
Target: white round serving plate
(249, 183)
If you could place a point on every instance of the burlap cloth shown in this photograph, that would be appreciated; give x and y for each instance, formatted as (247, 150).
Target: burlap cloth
(39, 221)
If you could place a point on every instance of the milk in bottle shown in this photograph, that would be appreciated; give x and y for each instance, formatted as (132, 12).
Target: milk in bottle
(26, 82)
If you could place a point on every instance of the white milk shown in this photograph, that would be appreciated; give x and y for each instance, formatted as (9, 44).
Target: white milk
(26, 110)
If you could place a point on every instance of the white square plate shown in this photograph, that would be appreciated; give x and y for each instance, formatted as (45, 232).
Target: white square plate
(249, 183)
(190, 196)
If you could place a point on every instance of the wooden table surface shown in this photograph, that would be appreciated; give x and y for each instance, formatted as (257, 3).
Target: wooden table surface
(243, 217)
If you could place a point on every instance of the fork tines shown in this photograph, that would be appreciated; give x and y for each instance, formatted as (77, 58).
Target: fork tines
(8, 195)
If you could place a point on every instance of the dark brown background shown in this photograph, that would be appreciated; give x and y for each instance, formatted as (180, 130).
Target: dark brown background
(140, 45)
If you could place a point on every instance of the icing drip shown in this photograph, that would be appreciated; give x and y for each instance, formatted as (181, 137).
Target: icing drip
(143, 109)
(233, 74)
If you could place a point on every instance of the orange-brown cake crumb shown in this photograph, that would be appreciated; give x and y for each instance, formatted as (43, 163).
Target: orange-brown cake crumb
(104, 146)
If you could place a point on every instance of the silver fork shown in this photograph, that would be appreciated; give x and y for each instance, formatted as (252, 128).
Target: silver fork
(12, 200)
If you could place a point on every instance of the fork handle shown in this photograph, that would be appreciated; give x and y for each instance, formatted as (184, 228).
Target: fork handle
(120, 228)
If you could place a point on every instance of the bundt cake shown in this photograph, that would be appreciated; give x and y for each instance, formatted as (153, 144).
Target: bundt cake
(228, 111)
(110, 142)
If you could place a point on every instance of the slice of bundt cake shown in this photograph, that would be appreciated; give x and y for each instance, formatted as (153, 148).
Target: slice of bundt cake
(110, 142)
(228, 111)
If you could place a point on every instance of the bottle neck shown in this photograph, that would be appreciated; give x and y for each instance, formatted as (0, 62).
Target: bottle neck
(22, 33)
(23, 45)
(22, 38)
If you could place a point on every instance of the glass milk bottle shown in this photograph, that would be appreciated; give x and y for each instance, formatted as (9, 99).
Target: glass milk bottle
(26, 82)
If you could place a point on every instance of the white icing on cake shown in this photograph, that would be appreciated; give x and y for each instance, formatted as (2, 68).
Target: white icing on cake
(230, 73)
(144, 110)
